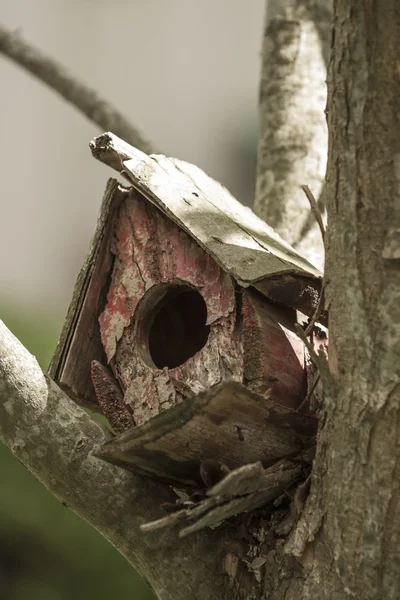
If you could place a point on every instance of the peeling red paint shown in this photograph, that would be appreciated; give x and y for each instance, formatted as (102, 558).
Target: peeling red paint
(150, 250)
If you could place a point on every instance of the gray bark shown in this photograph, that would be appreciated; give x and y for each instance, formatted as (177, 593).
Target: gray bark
(293, 135)
(356, 548)
(348, 537)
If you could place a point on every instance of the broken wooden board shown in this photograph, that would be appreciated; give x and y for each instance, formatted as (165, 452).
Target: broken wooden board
(241, 243)
(80, 341)
(244, 489)
(227, 423)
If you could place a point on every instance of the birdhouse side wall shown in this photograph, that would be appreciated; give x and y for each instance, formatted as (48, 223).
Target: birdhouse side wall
(274, 356)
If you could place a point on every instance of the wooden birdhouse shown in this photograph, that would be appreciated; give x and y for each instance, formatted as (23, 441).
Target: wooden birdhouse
(184, 289)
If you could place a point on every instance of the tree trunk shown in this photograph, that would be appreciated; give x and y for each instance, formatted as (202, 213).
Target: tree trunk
(356, 547)
(293, 136)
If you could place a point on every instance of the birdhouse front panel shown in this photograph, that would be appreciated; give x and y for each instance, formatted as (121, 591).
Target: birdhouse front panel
(169, 328)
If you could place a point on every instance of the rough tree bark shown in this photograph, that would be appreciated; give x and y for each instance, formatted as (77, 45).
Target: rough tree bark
(355, 553)
(346, 542)
(293, 135)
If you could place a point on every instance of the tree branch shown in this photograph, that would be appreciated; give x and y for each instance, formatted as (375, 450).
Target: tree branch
(293, 134)
(86, 100)
(54, 438)
(315, 210)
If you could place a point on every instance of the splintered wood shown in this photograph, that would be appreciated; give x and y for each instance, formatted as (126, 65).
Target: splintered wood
(243, 490)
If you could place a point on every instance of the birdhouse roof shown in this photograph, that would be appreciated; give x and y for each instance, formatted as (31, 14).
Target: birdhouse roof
(239, 241)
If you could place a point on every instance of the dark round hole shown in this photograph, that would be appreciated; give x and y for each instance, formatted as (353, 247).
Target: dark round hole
(176, 327)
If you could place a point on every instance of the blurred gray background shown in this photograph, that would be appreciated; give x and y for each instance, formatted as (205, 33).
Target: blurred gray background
(186, 73)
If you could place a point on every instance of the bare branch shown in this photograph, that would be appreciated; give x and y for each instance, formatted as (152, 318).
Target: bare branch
(54, 438)
(315, 210)
(293, 134)
(56, 76)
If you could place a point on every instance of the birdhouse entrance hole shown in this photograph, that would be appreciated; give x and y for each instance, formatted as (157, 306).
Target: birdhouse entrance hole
(171, 325)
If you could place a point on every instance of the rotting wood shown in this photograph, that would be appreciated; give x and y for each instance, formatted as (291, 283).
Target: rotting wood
(173, 323)
(245, 489)
(172, 446)
(110, 398)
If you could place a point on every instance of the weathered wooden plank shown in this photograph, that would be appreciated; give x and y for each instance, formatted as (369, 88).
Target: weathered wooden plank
(80, 341)
(240, 242)
(244, 480)
(177, 228)
(227, 423)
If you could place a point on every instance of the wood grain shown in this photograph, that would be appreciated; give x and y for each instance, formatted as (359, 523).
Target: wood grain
(227, 423)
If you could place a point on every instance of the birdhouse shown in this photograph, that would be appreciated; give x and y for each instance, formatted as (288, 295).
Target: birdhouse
(183, 289)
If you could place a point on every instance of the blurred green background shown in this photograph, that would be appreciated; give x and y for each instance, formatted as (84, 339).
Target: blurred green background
(46, 551)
